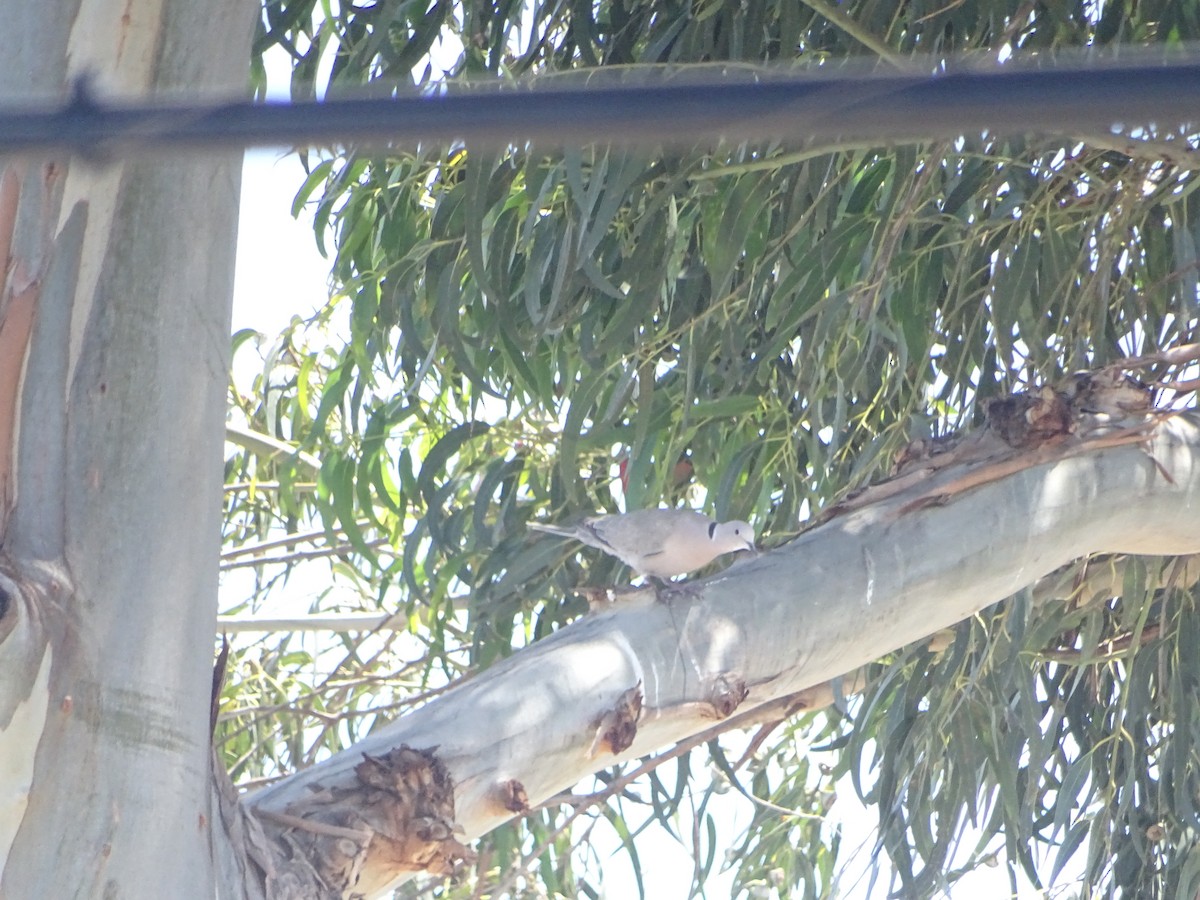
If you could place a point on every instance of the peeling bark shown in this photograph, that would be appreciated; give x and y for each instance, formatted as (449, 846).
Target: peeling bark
(16, 327)
(399, 813)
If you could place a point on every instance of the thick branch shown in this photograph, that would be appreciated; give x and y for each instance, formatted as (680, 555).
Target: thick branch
(881, 575)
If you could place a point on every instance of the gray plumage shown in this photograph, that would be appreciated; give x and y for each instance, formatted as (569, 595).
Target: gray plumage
(659, 543)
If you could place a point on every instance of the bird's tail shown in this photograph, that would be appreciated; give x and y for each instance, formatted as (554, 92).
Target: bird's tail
(551, 529)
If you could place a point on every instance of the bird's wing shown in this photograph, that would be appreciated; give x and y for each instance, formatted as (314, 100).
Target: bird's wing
(661, 542)
(642, 531)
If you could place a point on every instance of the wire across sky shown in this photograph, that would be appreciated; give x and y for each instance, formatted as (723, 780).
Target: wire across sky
(1154, 99)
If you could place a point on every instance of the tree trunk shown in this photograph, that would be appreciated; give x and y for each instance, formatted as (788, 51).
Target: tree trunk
(114, 338)
(906, 559)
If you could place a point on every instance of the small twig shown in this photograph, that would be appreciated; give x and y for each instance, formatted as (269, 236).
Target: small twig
(251, 783)
(866, 297)
(1181, 387)
(783, 159)
(338, 623)
(1175, 356)
(481, 865)
(776, 808)
(1174, 152)
(298, 537)
(941, 11)
(757, 741)
(298, 486)
(301, 556)
(868, 39)
(1106, 651)
(218, 683)
(267, 445)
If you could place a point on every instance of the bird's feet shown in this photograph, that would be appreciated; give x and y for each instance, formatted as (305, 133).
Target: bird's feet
(666, 591)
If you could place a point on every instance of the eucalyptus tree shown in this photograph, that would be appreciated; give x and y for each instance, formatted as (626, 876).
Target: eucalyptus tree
(976, 601)
(114, 315)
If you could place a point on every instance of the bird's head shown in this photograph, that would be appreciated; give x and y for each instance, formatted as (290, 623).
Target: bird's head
(733, 535)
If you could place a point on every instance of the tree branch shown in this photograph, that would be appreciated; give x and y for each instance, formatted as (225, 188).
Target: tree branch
(877, 576)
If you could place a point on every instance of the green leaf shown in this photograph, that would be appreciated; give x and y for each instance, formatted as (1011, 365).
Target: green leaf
(435, 465)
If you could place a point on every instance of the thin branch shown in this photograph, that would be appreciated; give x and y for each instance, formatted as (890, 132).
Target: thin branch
(1106, 577)
(868, 39)
(1174, 356)
(355, 834)
(248, 438)
(1178, 153)
(301, 556)
(340, 623)
(298, 537)
(299, 486)
(781, 159)
(1103, 652)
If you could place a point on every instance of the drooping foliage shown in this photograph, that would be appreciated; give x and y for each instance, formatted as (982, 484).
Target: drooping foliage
(754, 329)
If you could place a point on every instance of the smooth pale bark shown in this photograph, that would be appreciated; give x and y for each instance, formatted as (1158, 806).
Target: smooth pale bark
(111, 425)
(840, 596)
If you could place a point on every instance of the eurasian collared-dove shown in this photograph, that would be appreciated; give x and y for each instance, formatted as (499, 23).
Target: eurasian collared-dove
(659, 543)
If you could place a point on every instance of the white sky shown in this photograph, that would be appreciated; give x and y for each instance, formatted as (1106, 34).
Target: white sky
(280, 273)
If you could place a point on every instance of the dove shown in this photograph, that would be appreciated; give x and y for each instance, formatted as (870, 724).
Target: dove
(658, 543)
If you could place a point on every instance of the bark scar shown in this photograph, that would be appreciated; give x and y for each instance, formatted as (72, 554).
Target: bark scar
(399, 817)
(618, 726)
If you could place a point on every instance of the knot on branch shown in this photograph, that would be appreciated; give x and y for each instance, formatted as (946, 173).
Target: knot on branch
(618, 726)
(1086, 411)
(33, 599)
(726, 693)
(512, 796)
(1082, 404)
(1031, 420)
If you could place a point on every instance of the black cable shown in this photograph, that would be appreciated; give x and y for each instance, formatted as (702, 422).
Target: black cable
(793, 108)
